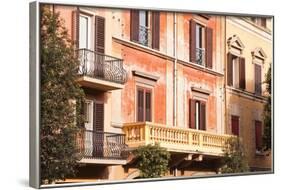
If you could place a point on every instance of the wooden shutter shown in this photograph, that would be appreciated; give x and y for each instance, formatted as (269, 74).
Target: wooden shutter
(209, 47)
(99, 34)
(140, 105)
(242, 81)
(75, 28)
(134, 25)
(258, 134)
(202, 122)
(155, 30)
(98, 115)
(263, 22)
(257, 79)
(229, 69)
(147, 106)
(192, 41)
(235, 125)
(192, 113)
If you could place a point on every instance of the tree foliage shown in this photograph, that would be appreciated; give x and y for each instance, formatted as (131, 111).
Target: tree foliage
(234, 160)
(152, 160)
(61, 99)
(267, 113)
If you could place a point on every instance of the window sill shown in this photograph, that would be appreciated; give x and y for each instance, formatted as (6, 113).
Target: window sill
(165, 56)
(245, 93)
(262, 153)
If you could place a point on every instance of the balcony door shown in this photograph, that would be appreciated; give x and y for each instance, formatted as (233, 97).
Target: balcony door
(85, 37)
(88, 138)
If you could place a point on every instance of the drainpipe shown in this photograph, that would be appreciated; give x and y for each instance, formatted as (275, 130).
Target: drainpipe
(225, 131)
(175, 78)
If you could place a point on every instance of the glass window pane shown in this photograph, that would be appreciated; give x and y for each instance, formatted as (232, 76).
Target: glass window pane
(83, 32)
(143, 18)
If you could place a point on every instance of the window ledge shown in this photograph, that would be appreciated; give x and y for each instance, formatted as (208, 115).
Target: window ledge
(262, 153)
(246, 93)
(165, 56)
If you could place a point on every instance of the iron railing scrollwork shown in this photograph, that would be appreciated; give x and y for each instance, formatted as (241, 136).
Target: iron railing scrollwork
(144, 35)
(101, 66)
(93, 144)
(200, 56)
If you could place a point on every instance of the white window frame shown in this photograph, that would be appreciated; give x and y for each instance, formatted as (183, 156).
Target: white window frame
(89, 28)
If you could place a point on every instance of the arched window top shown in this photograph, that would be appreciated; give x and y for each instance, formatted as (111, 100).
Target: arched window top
(235, 44)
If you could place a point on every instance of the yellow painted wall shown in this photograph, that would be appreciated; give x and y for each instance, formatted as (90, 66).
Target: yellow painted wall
(248, 108)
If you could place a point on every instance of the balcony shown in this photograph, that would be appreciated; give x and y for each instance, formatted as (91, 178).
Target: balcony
(178, 140)
(101, 147)
(100, 71)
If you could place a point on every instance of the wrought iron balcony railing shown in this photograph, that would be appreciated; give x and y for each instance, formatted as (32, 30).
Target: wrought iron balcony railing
(144, 36)
(92, 144)
(101, 66)
(200, 56)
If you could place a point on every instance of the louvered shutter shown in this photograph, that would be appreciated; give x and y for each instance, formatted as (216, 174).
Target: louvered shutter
(202, 124)
(134, 25)
(140, 105)
(98, 115)
(155, 30)
(209, 48)
(98, 130)
(258, 134)
(192, 41)
(229, 70)
(75, 28)
(192, 113)
(235, 125)
(242, 81)
(257, 79)
(147, 106)
(99, 34)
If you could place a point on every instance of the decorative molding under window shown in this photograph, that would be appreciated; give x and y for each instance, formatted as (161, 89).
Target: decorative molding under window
(165, 56)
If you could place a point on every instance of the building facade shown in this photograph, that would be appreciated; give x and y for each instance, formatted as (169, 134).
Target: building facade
(158, 77)
(249, 56)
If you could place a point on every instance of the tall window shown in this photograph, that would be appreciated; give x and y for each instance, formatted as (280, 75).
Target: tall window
(144, 104)
(87, 37)
(258, 135)
(201, 44)
(145, 28)
(258, 80)
(197, 114)
(236, 71)
(235, 125)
